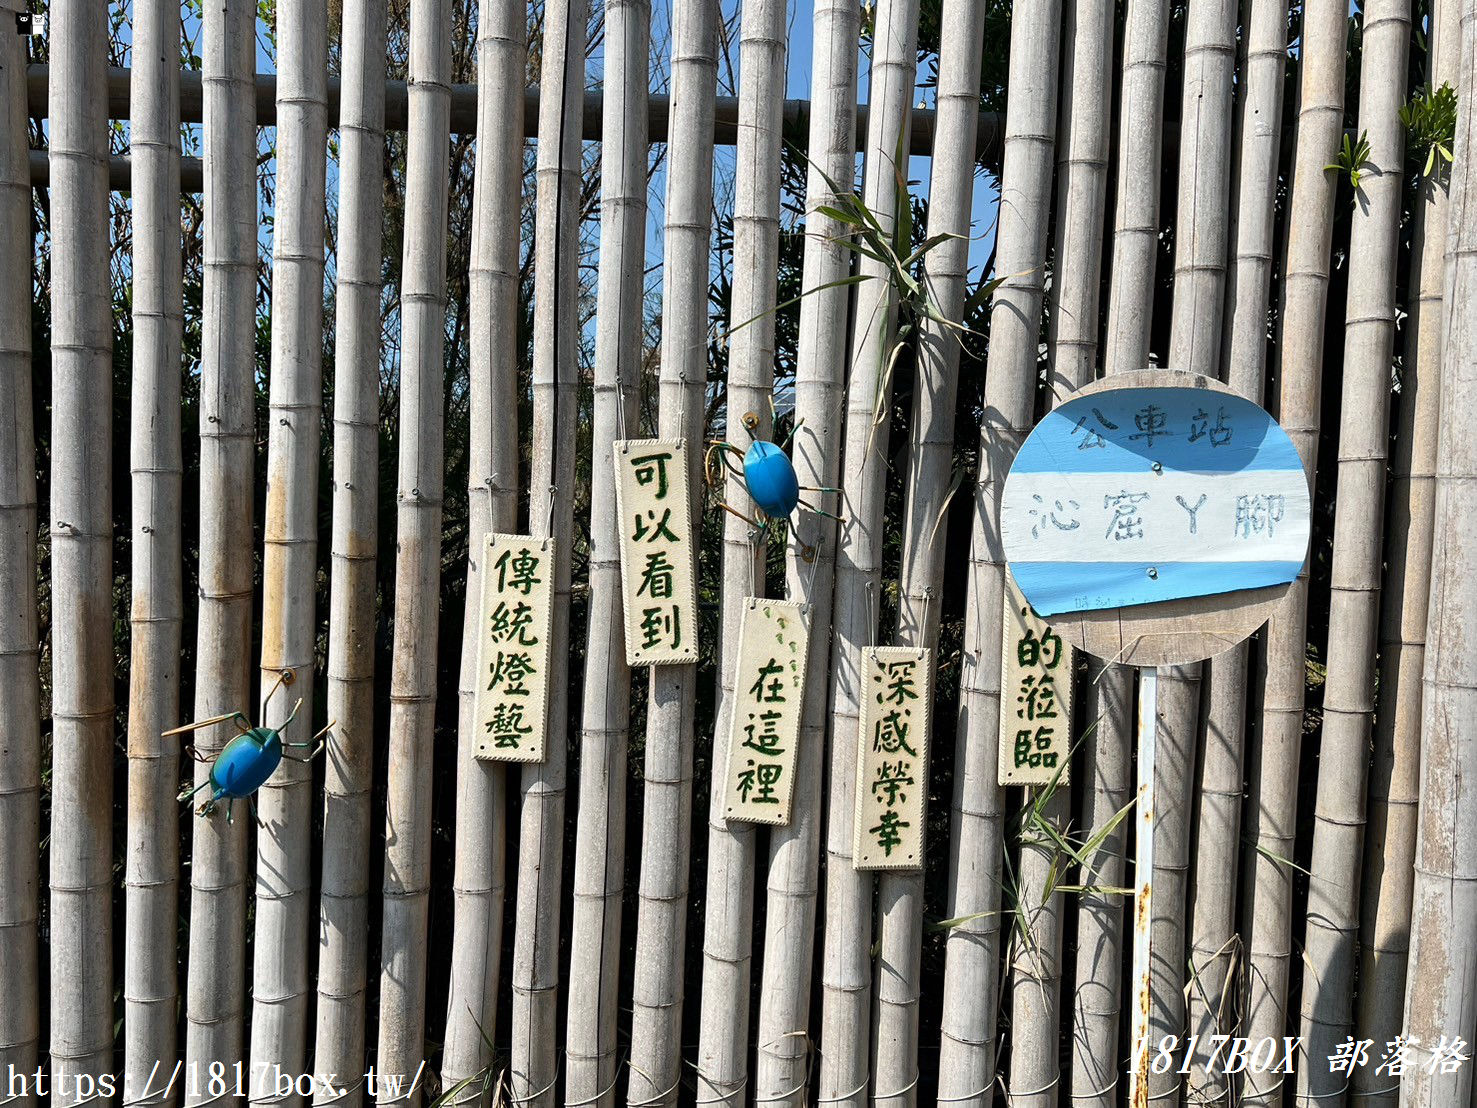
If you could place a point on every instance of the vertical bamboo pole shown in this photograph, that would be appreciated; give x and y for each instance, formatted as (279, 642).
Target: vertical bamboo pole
(535, 1062)
(1082, 176)
(723, 1036)
(599, 861)
(418, 562)
(213, 1002)
(662, 924)
(930, 464)
(1348, 696)
(847, 978)
(1136, 208)
(789, 944)
(20, 689)
(1257, 144)
(492, 505)
(349, 769)
(820, 384)
(1394, 783)
(1097, 1002)
(1197, 308)
(1082, 161)
(1108, 763)
(724, 1028)
(789, 920)
(967, 1056)
(1267, 888)
(81, 548)
(1197, 315)
(150, 980)
(1438, 999)
(290, 555)
(1215, 939)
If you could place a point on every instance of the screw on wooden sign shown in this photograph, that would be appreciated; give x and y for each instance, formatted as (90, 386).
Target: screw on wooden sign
(658, 582)
(514, 637)
(1035, 698)
(768, 696)
(892, 758)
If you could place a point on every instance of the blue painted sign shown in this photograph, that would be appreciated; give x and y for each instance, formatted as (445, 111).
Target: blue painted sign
(1141, 495)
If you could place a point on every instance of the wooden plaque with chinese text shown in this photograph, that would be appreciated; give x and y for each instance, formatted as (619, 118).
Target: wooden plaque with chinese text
(892, 758)
(515, 625)
(1035, 698)
(768, 696)
(658, 554)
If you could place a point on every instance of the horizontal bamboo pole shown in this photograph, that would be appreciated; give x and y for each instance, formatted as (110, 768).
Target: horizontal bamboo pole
(795, 120)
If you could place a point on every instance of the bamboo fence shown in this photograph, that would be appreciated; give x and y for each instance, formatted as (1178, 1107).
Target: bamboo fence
(696, 248)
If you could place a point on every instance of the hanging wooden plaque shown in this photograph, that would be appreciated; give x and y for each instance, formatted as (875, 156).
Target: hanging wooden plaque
(768, 696)
(658, 581)
(515, 628)
(892, 758)
(1035, 697)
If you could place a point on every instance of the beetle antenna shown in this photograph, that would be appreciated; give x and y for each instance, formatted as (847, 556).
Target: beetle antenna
(284, 677)
(292, 715)
(200, 724)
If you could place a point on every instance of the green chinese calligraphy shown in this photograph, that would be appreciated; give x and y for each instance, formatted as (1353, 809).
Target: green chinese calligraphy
(653, 467)
(758, 783)
(512, 624)
(888, 831)
(516, 571)
(511, 669)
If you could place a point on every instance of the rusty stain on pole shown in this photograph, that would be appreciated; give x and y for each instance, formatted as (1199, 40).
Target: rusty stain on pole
(1143, 874)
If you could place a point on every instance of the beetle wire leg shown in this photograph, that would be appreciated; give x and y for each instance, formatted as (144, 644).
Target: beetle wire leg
(820, 511)
(317, 750)
(754, 523)
(254, 813)
(201, 724)
(315, 738)
(186, 794)
(819, 488)
(722, 450)
(794, 427)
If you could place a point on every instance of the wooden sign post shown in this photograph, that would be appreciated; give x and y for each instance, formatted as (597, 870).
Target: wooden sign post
(1156, 518)
(515, 620)
(1035, 698)
(658, 578)
(768, 693)
(892, 758)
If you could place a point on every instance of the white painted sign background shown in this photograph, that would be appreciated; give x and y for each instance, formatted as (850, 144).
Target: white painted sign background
(1137, 495)
(515, 629)
(768, 696)
(658, 577)
(1155, 517)
(892, 758)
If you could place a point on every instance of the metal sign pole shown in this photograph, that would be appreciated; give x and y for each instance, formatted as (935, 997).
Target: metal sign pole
(1143, 875)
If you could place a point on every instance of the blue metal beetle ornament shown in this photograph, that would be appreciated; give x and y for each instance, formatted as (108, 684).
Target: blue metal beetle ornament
(769, 476)
(246, 762)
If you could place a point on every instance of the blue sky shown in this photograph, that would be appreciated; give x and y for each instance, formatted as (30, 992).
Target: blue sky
(797, 87)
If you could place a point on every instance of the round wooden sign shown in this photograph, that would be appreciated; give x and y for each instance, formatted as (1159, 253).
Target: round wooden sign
(1156, 518)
